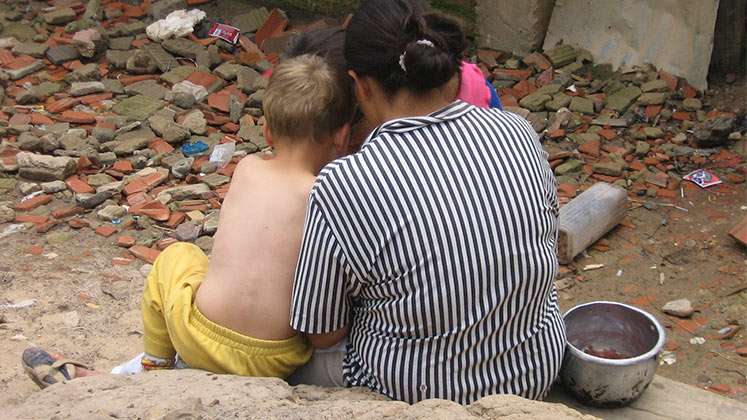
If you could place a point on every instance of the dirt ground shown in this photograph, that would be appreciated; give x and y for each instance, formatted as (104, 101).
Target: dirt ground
(88, 309)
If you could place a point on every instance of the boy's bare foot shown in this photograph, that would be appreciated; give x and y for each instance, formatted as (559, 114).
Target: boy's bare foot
(46, 369)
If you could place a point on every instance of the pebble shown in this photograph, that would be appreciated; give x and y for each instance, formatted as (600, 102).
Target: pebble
(681, 308)
(145, 269)
(188, 231)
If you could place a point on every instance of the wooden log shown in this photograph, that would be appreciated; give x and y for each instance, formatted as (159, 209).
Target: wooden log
(588, 217)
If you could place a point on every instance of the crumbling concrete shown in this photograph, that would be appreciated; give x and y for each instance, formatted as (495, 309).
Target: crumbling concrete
(674, 35)
(513, 26)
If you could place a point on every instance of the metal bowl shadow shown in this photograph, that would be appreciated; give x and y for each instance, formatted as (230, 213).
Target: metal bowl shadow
(612, 353)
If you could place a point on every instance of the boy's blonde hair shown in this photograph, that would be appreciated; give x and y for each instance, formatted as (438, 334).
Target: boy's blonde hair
(307, 98)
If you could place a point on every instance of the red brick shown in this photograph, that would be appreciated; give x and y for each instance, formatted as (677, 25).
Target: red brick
(33, 203)
(156, 210)
(97, 97)
(591, 148)
(144, 183)
(122, 261)
(689, 91)
(567, 190)
(664, 193)
(672, 81)
(79, 186)
(146, 254)
(106, 231)
(77, 117)
(31, 218)
(160, 146)
(556, 134)
(20, 62)
(175, 220)
(637, 165)
(126, 241)
(607, 133)
(128, 80)
(165, 243)
(652, 111)
(64, 212)
(682, 116)
(740, 232)
(524, 88)
(35, 250)
(46, 226)
(61, 105)
(742, 351)
(723, 389)
(39, 119)
(274, 25)
(202, 78)
(78, 223)
(123, 166)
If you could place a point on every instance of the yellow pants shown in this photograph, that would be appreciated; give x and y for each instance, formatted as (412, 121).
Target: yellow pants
(173, 324)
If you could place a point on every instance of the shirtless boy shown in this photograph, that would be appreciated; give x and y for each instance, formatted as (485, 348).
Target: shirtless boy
(232, 315)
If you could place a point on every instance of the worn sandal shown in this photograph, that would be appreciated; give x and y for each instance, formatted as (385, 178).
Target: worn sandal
(44, 370)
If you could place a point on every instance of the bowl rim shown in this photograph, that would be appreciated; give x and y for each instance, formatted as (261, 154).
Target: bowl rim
(655, 350)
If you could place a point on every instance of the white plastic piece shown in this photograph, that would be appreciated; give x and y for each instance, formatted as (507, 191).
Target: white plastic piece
(177, 24)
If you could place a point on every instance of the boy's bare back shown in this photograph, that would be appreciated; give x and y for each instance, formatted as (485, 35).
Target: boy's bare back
(250, 277)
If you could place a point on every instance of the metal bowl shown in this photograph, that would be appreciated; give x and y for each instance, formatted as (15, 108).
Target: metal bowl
(612, 353)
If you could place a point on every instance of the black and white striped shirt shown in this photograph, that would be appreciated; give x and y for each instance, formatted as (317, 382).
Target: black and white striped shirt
(435, 244)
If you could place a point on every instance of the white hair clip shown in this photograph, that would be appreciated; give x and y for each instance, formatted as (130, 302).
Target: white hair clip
(425, 42)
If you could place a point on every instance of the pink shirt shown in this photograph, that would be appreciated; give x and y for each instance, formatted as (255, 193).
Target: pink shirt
(473, 89)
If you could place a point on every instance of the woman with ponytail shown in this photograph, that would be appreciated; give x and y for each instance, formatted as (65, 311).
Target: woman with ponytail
(428, 257)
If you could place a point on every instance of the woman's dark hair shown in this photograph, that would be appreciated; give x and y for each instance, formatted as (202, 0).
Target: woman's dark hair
(328, 43)
(449, 29)
(391, 41)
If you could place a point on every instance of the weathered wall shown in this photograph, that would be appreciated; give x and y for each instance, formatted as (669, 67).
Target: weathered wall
(512, 26)
(676, 35)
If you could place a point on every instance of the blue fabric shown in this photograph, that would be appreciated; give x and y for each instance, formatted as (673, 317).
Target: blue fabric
(495, 100)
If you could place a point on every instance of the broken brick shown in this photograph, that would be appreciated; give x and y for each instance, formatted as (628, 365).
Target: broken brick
(77, 117)
(126, 241)
(64, 212)
(106, 231)
(146, 254)
(35, 250)
(160, 146)
(34, 202)
(274, 25)
(78, 223)
(31, 218)
(156, 210)
(165, 243)
(123, 166)
(740, 232)
(79, 186)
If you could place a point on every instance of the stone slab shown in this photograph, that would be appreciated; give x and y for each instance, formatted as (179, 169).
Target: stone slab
(675, 35)
(508, 25)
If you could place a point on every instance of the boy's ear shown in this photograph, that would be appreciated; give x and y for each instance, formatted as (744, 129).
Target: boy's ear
(341, 140)
(266, 132)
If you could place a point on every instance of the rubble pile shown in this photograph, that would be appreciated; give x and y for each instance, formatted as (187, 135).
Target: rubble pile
(128, 118)
(642, 129)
